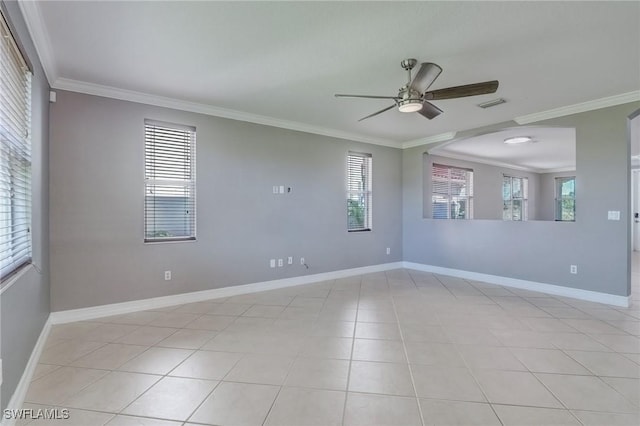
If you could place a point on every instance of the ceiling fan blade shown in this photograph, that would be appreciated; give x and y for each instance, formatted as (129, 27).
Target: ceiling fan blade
(339, 95)
(429, 110)
(379, 112)
(425, 76)
(462, 91)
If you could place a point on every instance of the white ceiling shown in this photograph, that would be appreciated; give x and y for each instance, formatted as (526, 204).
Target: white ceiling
(553, 149)
(285, 60)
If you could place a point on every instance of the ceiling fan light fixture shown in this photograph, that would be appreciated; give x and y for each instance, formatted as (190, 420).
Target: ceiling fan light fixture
(518, 140)
(410, 106)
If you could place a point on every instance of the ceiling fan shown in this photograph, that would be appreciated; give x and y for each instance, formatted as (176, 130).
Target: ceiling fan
(413, 96)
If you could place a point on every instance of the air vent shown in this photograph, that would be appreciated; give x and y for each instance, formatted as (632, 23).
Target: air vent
(492, 103)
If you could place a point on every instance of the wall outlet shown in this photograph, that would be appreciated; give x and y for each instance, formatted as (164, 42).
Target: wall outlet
(280, 263)
(388, 250)
(302, 262)
(272, 263)
(282, 189)
(290, 260)
(573, 269)
(167, 275)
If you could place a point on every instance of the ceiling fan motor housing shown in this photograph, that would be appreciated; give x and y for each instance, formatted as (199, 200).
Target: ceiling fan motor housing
(410, 100)
(408, 64)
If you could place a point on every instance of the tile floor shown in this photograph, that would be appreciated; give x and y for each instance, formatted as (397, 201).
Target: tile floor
(395, 348)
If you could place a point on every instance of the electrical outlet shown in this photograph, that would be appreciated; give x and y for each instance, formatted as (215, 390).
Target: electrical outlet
(290, 260)
(388, 250)
(167, 275)
(272, 263)
(302, 262)
(280, 263)
(573, 269)
(282, 189)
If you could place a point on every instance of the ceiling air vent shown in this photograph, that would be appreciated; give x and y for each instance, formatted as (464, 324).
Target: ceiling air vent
(492, 103)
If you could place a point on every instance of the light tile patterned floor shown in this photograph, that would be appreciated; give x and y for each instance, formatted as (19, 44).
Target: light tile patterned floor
(394, 348)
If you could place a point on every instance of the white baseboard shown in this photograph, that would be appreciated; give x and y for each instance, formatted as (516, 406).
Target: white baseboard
(94, 312)
(17, 399)
(557, 290)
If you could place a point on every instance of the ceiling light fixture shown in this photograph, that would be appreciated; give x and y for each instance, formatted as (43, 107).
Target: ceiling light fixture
(518, 139)
(411, 105)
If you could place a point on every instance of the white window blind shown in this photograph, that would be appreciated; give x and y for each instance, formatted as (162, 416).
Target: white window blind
(452, 192)
(15, 155)
(515, 198)
(170, 182)
(566, 199)
(359, 179)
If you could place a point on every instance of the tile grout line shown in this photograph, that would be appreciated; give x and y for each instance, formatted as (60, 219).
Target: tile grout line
(353, 343)
(600, 377)
(297, 355)
(406, 354)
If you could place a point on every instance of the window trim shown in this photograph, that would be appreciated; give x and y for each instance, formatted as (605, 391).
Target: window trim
(366, 193)
(558, 197)
(17, 159)
(525, 197)
(470, 197)
(187, 183)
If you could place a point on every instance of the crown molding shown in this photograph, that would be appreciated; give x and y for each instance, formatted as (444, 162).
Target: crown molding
(500, 163)
(442, 137)
(483, 161)
(161, 101)
(559, 170)
(37, 30)
(581, 107)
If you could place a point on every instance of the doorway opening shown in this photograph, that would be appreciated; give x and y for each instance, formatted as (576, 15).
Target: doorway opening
(634, 145)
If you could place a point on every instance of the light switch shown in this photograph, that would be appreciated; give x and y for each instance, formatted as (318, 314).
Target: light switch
(613, 215)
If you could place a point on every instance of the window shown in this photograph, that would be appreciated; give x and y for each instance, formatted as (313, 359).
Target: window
(170, 182)
(515, 198)
(358, 192)
(452, 192)
(15, 155)
(566, 199)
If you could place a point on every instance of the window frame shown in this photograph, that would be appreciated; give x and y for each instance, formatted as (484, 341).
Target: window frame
(560, 199)
(450, 197)
(524, 199)
(16, 243)
(169, 185)
(363, 195)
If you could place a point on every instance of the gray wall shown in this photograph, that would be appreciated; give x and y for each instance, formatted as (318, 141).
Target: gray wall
(547, 205)
(487, 187)
(97, 171)
(24, 307)
(538, 250)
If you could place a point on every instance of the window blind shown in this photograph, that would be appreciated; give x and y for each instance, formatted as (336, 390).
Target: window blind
(452, 192)
(170, 182)
(359, 192)
(515, 198)
(15, 155)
